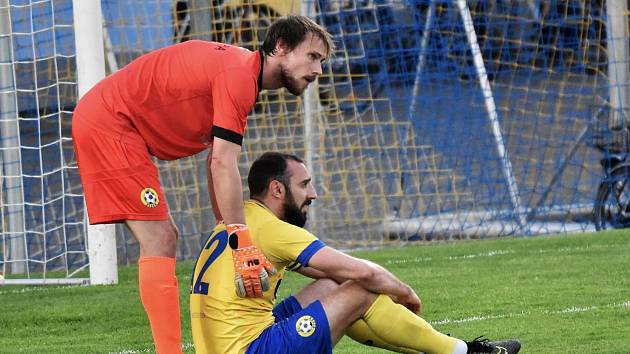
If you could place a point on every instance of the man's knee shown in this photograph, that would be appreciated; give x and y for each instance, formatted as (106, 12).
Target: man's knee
(363, 297)
(360, 297)
(166, 237)
(169, 236)
(349, 302)
(155, 238)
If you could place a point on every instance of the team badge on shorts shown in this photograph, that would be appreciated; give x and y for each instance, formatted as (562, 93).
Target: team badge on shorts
(305, 326)
(149, 198)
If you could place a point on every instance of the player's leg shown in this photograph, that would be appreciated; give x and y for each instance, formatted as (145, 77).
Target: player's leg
(157, 282)
(393, 323)
(397, 326)
(362, 333)
(121, 183)
(157, 238)
(358, 331)
(315, 290)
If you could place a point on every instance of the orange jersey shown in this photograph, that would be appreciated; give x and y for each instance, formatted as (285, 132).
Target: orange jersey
(176, 99)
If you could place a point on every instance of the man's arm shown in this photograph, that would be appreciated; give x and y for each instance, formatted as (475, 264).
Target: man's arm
(314, 273)
(225, 177)
(213, 198)
(371, 276)
(250, 264)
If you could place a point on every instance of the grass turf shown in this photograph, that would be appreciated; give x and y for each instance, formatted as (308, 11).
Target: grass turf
(557, 294)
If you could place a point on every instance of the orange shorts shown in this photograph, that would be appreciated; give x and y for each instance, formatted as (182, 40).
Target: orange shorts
(120, 182)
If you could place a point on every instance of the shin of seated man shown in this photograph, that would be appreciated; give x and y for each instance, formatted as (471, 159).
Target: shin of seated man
(350, 296)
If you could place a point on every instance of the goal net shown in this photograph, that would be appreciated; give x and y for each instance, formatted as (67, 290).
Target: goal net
(433, 120)
(42, 232)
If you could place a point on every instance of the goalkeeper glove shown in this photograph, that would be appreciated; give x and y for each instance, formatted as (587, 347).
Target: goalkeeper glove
(251, 266)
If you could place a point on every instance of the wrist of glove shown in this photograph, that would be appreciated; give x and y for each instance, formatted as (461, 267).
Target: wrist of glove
(252, 269)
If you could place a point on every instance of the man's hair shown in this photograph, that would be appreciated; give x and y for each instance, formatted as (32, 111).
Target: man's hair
(292, 30)
(270, 166)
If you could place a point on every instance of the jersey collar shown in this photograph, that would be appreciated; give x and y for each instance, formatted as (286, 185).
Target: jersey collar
(262, 65)
(260, 204)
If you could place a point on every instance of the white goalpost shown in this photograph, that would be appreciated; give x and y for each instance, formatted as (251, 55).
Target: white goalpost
(618, 47)
(311, 107)
(88, 22)
(10, 152)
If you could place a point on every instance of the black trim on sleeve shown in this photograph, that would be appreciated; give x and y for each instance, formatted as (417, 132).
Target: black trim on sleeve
(228, 135)
(294, 266)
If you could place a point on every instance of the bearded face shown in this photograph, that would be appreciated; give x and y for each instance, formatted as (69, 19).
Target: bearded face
(290, 83)
(294, 214)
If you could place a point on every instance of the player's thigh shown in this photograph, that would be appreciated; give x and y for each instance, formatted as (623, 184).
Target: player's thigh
(309, 294)
(120, 182)
(305, 332)
(316, 290)
(156, 237)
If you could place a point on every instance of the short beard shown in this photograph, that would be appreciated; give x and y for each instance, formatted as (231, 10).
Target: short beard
(292, 213)
(289, 82)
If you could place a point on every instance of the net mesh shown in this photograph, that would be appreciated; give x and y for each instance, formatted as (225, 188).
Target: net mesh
(41, 197)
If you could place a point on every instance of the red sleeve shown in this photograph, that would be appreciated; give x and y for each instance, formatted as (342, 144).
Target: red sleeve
(233, 97)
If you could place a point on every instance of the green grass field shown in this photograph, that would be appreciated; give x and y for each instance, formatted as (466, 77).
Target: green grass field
(557, 294)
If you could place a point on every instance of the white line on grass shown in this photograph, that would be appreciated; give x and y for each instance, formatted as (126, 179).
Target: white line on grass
(450, 258)
(150, 350)
(501, 252)
(567, 310)
(413, 260)
(37, 289)
(484, 254)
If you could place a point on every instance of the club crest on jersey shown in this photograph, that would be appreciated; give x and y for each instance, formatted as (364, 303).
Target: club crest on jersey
(305, 326)
(149, 198)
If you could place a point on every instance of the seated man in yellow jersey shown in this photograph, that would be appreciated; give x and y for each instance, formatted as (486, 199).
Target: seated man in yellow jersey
(350, 296)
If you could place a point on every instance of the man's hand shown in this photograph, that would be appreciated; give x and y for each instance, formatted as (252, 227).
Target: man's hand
(410, 301)
(251, 266)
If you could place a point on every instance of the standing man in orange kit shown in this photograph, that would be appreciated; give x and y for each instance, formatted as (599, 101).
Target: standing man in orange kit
(173, 103)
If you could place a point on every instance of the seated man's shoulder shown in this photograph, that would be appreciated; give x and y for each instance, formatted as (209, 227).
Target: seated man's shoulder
(282, 228)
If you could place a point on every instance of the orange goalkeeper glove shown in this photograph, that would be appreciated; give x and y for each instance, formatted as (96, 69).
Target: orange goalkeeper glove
(251, 266)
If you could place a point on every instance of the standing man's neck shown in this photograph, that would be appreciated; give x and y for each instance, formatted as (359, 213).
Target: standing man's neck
(271, 73)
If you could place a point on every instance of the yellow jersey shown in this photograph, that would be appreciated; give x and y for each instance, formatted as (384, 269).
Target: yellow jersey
(222, 322)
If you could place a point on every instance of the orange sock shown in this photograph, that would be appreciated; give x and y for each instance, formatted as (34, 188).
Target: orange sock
(160, 296)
